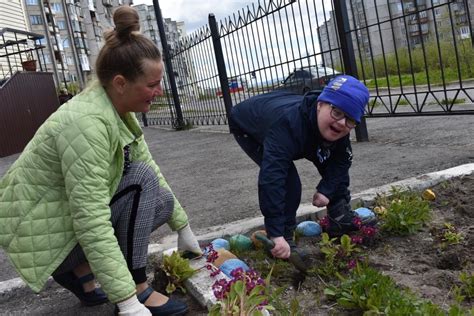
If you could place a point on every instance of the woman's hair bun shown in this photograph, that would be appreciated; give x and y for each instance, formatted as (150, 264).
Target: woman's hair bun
(126, 22)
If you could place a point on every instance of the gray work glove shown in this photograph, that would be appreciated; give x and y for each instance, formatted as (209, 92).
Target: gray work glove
(132, 307)
(187, 241)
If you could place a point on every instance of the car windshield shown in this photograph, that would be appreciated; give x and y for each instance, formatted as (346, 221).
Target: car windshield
(322, 71)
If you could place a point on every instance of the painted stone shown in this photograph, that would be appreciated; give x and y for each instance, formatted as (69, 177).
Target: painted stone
(364, 213)
(308, 229)
(222, 256)
(240, 242)
(220, 243)
(228, 266)
(257, 243)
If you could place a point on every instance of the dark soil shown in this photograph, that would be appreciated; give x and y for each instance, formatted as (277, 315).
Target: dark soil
(419, 262)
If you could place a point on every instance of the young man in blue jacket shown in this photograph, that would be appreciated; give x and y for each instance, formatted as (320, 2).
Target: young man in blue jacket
(276, 128)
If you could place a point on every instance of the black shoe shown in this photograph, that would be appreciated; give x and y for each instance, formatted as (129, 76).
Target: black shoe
(341, 219)
(171, 308)
(74, 284)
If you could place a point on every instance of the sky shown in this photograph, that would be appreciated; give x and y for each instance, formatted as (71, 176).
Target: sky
(289, 38)
(195, 13)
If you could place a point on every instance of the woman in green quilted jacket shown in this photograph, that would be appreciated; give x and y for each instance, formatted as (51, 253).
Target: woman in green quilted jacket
(81, 201)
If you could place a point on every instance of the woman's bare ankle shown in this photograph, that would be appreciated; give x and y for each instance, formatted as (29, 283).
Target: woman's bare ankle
(82, 270)
(155, 299)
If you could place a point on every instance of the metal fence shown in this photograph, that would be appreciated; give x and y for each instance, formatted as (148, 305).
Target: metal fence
(414, 55)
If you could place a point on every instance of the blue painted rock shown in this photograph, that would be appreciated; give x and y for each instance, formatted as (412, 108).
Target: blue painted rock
(308, 229)
(229, 265)
(220, 243)
(365, 213)
(240, 242)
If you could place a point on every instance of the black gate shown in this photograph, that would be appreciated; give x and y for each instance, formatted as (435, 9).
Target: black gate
(416, 56)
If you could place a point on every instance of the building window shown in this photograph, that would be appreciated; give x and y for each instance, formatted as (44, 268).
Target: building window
(75, 26)
(464, 32)
(36, 20)
(47, 59)
(61, 24)
(31, 2)
(66, 43)
(41, 41)
(56, 7)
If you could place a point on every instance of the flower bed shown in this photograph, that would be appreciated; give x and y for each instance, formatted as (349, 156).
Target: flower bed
(420, 261)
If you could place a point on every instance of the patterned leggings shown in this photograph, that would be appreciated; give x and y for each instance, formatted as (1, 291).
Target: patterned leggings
(138, 207)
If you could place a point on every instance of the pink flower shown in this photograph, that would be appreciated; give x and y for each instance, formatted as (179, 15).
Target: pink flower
(356, 239)
(237, 272)
(351, 264)
(368, 231)
(357, 222)
(324, 222)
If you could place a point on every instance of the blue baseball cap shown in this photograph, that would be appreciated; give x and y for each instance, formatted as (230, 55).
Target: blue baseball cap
(347, 94)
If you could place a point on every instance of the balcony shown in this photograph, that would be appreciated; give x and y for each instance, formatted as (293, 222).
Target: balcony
(419, 32)
(459, 8)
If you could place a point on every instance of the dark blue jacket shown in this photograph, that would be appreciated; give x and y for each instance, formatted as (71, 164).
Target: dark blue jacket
(286, 125)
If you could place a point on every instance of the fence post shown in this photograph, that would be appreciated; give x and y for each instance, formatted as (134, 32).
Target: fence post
(224, 81)
(169, 66)
(348, 57)
(144, 119)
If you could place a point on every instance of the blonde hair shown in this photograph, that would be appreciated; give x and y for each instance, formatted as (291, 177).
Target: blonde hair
(125, 48)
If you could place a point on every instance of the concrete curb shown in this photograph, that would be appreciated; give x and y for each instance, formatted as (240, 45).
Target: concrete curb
(200, 285)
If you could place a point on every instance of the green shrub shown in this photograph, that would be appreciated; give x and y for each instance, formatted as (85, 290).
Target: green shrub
(406, 212)
(369, 291)
(467, 287)
(418, 66)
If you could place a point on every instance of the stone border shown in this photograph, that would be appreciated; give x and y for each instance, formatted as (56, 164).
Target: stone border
(201, 290)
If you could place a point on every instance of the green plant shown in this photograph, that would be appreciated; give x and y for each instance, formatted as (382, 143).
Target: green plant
(450, 101)
(29, 56)
(403, 102)
(338, 256)
(450, 235)
(467, 287)
(406, 212)
(245, 295)
(369, 291)
(263, 263)
(186, 126)
(177, 270)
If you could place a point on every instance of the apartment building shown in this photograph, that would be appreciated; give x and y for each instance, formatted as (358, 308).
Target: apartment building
(183, 66)
(385, 26)
(73, 32)
(12, 15)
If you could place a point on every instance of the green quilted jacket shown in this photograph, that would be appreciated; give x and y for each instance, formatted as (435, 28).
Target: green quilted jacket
(57, 193)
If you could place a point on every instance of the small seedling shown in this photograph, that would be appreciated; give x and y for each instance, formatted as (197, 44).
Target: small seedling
(450, 235)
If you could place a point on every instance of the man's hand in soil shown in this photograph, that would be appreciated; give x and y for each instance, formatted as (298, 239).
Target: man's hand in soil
(281, 249)
(320, 200)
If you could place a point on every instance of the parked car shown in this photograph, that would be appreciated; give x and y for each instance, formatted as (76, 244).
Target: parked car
(304, 79)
